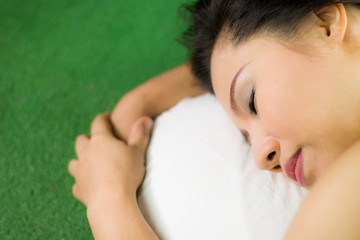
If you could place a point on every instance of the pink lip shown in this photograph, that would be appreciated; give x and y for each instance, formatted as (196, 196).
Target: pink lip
(294, 168)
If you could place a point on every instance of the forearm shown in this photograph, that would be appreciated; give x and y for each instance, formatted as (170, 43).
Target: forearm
(118, 218)
(165, 90)
(155, 96)
(108, 173)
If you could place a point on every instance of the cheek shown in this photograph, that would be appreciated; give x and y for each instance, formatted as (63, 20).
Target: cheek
(284, 110)
(298, 112)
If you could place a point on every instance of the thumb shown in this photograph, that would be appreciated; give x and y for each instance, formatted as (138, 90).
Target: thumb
(140, 133)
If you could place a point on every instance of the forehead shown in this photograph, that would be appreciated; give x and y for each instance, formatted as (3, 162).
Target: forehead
(227, 58)
(222, 59)
(266, 57)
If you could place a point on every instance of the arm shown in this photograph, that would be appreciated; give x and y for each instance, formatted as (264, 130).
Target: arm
(154, 97)
(118, 217)
(108, 173)
(332, 209)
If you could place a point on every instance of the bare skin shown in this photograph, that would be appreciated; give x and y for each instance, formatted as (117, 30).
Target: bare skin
(306, 98)
(305, 92)
(332, 209)
(109, 171)
(287, 120)
(154, 97)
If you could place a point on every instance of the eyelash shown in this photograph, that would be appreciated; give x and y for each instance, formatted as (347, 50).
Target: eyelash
(246, 137)
(252, 103)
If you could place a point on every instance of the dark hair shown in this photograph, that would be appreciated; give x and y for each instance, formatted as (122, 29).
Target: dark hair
(243, 19)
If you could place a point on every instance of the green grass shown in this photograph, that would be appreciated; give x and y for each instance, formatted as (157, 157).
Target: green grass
(61, 63)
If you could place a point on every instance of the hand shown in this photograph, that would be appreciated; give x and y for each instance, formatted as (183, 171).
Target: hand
(127, 111)
(107, 166)
(154, 97)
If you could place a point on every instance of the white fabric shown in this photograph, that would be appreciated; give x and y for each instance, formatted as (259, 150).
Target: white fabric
(201, 182)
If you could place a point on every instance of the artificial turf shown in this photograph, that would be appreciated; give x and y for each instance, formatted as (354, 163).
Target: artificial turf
(61, 63)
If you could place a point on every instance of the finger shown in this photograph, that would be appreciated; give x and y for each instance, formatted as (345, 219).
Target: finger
(72, 166)
(81, 143)
(102, 125)
(121, 135)
(140, 133)
(77, 194)
(75, 191)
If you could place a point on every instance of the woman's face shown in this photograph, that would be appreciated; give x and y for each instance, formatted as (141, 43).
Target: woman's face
(296, 107)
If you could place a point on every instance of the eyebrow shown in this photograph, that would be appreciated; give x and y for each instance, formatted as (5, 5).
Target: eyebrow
(232, 88)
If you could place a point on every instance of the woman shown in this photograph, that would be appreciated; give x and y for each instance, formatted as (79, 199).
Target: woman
(287, 74)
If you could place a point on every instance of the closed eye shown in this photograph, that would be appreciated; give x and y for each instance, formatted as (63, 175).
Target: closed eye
(252, 107)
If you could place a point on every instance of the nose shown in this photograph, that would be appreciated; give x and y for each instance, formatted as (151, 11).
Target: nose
(266, 152)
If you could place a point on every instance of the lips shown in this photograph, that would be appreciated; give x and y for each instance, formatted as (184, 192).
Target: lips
(294, 168)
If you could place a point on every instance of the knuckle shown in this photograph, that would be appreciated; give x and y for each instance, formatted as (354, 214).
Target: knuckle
(80, 138)
(99, 117)
(72, 166)
(74, 191)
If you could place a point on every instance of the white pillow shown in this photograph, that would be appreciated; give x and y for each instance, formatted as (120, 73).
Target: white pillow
(201, 182)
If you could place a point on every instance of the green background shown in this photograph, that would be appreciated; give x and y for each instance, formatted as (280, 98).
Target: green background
(61, 63)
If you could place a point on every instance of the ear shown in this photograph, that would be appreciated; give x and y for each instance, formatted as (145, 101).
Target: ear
(334, 21)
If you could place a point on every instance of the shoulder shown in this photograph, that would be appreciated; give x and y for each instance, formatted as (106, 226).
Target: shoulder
(332, 209)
